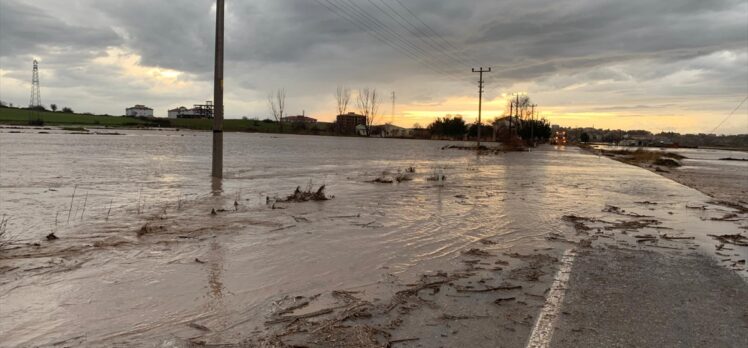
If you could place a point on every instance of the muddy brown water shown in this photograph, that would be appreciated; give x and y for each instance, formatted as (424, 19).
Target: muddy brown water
(100, 283)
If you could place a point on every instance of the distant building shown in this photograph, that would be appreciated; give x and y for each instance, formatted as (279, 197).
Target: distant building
(347, 124)
(391, 131)
(361, 130)
(299, 119)
(502, 127)
(139, 111)
(197, 111)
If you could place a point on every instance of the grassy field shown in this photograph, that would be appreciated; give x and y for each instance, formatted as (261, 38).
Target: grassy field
(12, 116)
(26, 117)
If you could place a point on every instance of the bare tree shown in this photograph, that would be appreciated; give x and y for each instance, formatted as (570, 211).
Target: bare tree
(368, 105)
(343, 98)
(277, 104)
(519, 107)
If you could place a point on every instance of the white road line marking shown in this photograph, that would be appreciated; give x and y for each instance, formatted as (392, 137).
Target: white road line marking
(542, 333)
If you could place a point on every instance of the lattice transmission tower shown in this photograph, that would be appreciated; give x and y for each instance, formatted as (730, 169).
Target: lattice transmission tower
(36, 96)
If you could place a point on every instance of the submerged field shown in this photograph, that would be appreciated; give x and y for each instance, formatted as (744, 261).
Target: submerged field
(140, 258)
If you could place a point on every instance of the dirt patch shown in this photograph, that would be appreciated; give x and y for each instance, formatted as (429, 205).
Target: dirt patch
(439, 300)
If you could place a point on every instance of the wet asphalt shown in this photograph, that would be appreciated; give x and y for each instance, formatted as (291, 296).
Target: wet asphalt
(625, 298)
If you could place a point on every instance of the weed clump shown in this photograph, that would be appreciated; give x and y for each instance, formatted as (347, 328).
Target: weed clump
(382, 180)
(406, 176)
(4, 236)
(666, 162)
(307, 195)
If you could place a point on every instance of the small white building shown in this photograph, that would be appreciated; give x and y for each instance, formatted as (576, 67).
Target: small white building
(198, 111)
(389, 130)
(139, 111)
(176, 112)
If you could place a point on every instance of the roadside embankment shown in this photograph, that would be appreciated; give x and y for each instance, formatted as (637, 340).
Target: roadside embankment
(726, 184)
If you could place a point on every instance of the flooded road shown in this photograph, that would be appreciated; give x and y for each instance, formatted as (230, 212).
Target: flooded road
(140, 258)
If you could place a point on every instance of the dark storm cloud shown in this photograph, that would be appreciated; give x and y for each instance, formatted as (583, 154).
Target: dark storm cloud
(29, 30)
(545, 31)
(310, 48)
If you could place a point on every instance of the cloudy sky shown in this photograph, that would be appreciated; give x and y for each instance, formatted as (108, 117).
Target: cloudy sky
(674, 65)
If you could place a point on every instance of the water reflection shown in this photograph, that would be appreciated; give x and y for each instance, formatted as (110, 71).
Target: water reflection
(216, 289)
(216, 186)
(215, 272)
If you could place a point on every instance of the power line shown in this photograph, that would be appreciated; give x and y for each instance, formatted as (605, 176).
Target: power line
(414, 32)
(472, 61)
(441, 48)
(363, 22)
(730, 115)
(335, 9)
(377, 24)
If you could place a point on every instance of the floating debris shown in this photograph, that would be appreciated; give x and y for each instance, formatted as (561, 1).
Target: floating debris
(499, 300)
(477, 252)
(734, 239)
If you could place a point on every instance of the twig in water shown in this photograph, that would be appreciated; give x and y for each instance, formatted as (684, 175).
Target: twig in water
(140, 191)
(110, 209)
(283, 319)
(403, 340)
(85, 200)
(506, 287)
(71, 202)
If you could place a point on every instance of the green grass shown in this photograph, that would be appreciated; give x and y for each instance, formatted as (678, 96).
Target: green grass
(23, 117)
(14, 116)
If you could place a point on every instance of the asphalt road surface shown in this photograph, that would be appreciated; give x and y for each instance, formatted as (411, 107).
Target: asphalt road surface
(624, 298)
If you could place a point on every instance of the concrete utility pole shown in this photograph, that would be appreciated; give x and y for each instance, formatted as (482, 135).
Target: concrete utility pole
(480, 97)
(218, 95)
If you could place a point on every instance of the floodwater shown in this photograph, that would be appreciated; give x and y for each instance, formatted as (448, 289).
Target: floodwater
(101, 283)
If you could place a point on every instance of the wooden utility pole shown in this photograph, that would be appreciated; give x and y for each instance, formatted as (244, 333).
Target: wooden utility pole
(532, 124)
(480, 97)
(392, 114)
(218, 95)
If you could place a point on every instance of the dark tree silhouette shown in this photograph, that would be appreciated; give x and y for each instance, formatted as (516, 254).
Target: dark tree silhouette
(585, 138)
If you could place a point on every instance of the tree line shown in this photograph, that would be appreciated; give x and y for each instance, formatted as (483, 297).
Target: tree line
(519, 120)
